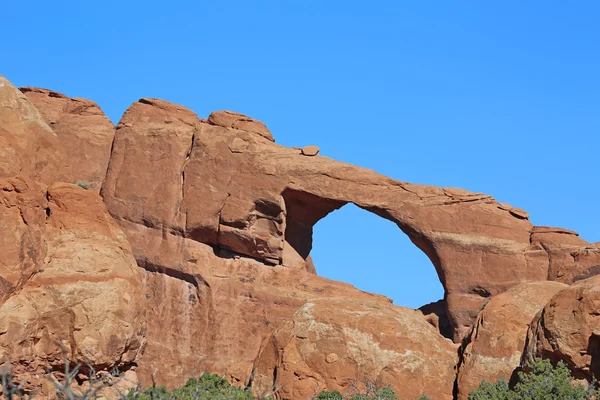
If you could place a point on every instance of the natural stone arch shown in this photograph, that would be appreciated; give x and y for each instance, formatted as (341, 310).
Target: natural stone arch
(227, 186)
(304, 210)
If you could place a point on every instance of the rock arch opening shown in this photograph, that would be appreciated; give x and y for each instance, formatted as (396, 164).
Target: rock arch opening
(372, 254)
(368, 251)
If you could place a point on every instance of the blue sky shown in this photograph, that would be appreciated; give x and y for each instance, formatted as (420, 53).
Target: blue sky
(499, 97)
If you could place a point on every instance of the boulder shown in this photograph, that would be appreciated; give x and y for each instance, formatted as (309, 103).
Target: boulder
(70, 286)
(145, 179)
(568, 329)
(230, 119)
(493, 348)
(310, 150)
(340, 344)
(571, 259)
(28, 146)
(85, 134)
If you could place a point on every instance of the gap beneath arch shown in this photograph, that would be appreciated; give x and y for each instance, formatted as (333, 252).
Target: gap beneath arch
(371, 253)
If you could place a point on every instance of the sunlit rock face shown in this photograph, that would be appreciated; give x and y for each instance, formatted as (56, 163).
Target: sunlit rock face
(494, 347)
(85, 134)
(229, 186)
(70, 285)
(568, 329)
(197, 255)
(342, 344)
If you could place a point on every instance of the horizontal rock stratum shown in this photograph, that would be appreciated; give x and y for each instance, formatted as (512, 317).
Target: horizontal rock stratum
(197, 253)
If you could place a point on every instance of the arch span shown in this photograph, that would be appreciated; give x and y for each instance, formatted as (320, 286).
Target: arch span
(371, 253)
(240, 191)
(304, 210)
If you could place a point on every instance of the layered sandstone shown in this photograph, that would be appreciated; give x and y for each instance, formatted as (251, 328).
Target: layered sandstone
(70, 286)
(198, 258)
(342, 344)
(28, 146)
(220, 308)
(494, 346)
(234, 189)
(570, 258)
(568, 329)
(85, 134)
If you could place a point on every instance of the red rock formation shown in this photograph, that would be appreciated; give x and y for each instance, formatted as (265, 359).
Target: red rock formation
(230, 119)
(220, 219)
(84, 132)
(234, 189)
(568, 329)
(220, 308)
(339, 344)
(69, 282)
(27, 144)
(436, 314)
(571, 258)
(493, 348)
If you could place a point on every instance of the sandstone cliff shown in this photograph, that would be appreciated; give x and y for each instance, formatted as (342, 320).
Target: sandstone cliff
(197, 254)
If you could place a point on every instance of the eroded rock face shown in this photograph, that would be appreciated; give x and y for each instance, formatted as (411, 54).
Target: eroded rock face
(230, 119)
(28, 146)
(436, 314)
(571, 258)
(493, 348)
(70, 285)
(220, 308)
(84, 132)
(219, 219)
(339, 343)
(568, 329)
(230, 188)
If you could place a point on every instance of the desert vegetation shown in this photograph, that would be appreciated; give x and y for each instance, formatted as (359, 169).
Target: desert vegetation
(539, 381)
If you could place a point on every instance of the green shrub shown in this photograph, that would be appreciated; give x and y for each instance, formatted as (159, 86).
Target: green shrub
(83, 184)
(491, 391)
(542, 382)
(330, 395)
(385, 393)
(206, 387)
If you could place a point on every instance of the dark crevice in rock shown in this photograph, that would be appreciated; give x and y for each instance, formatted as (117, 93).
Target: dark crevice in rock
(480, 291)
(592, 271)
(185, 163)
(112, 146)
(439, 309)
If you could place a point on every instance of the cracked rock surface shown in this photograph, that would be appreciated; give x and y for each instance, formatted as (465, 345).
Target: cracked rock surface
(197, 253)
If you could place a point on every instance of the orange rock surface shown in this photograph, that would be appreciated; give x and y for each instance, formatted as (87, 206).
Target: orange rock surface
(197, 257)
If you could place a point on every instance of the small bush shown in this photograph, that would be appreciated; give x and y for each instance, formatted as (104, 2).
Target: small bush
(542, 382)
(83, 184)
(385, 393)
(330, 395)
(206, 387)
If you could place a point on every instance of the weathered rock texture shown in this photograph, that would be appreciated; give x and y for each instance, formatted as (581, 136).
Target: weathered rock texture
(568, 329)
(339, 344)
(28, 146)
(570, 258)
(493, 348)
(230, 119)
(69, 283)
(219, 276)
(84, 132)
(234, 189)
(221, 308)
